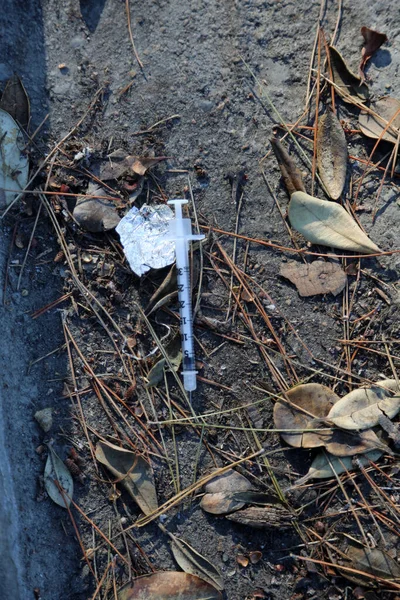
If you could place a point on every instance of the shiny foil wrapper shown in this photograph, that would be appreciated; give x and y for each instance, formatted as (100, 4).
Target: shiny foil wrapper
(145, 238)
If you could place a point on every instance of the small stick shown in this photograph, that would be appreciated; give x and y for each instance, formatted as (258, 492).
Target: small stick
(128, 16)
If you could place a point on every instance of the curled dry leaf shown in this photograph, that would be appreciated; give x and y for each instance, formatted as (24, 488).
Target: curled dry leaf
(386, 110)
(142, 163)
(362, 408)
(318, 277)
(171, 585)
(96, 214)
(307, 402)
(328, 223)
(14, 165)
(194, 563)
(263, 517)
(56, 476)
(290, 173)
(132, 471)
(220, 493)
(373, 40)
(349, 86)
(331, 154)
(174, 352)
(15, 101)
(325, 465)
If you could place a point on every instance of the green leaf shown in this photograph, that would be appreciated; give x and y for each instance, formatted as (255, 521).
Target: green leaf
(328, 223)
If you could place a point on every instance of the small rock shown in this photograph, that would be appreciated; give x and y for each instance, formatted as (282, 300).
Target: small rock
(45, 418)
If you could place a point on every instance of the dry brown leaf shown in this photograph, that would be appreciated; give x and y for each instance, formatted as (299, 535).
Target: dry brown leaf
(331, 154)
(142, 163)
(362, 408)
(228, 482)
(373, 40)
(387, 110)
(316, 400)
(325, 465)
(346, 443)
(220, 493)
(290, 173)
(15, 101)
(96, 214)
(318, 277)
(349, 86)
(255, 556)
(328, 223)
(132, 471)
(171, 585)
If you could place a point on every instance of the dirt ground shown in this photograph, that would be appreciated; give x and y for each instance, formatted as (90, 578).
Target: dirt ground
(195, 102)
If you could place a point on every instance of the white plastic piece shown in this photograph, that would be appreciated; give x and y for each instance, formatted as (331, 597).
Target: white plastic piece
(181, 232)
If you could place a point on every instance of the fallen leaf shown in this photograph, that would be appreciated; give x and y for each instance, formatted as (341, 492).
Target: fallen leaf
(362, 408)
(290, 173)
(15, 101)
(344, 443)
(230, 481)
(142, 163)
(14, 165)
(331, 154)
(373, 40)
(372, 561)
(194, 563)
(328, 223)
(220, 493)
(242, 560)
(171, 585)
(324, 465)
(174, 352)
(132, 471)
(263, 517)
(387, 110)
(316, 400)
(348, 85)
(220, 503)
(164, 293)
(95, 214)
(318, 277)
(56, 476)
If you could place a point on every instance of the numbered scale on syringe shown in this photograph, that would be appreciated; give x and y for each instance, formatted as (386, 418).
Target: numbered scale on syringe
(181, 231)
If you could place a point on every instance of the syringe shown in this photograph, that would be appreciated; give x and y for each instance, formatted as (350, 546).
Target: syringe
(181, 231)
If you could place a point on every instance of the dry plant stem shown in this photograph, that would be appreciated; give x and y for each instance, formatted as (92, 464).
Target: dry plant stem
(339, 18)
(261, 310)
(387, 500)
(238, 209)
(178, 498)
(322, 10)
(284, 220)
(9, 256)
(28, 247)
(34, 134)
(98, 588)
(41, 311)
(128, 16)
(391, 160)
(269, 244)
(91, 300)
(78, 400)
(54, 150)
(386, 582)
(314, 159)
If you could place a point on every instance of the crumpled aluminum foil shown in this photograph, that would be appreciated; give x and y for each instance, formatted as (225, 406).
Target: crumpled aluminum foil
(145, 238)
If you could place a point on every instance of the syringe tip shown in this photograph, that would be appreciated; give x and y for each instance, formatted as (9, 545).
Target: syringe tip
(189, 380)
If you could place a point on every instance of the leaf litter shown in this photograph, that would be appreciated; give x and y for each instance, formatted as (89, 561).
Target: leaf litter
(348, 85)
(384, 120)
(169, 585)
(58, 480)
(318, 277)
(332, 155)
(328, 224)
(373, 40)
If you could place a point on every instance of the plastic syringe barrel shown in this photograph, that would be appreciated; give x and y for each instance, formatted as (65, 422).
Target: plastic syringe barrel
(181, 232)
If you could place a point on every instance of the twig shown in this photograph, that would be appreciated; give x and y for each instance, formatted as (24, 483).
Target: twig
(128, 16)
